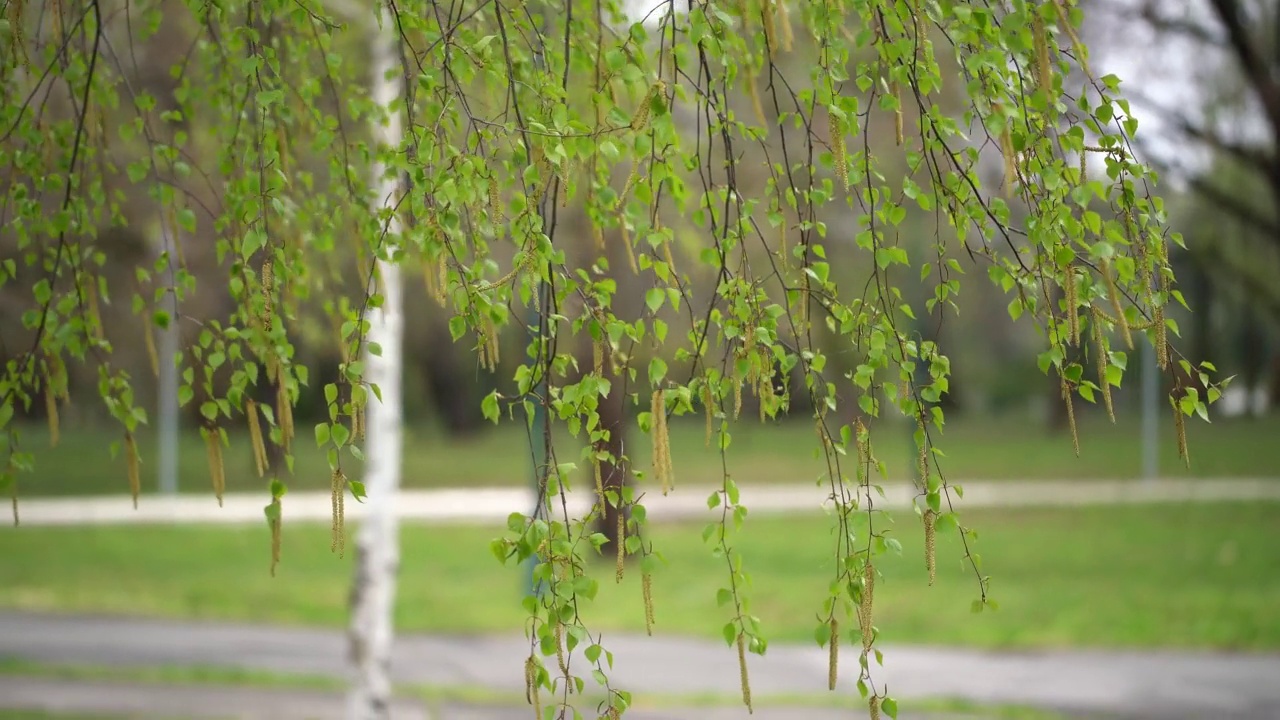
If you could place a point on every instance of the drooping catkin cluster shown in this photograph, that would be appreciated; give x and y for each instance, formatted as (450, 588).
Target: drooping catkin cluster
(898, 129)
(255, 437)
(531, 686)
(833, 653)
(274, 520)
(874, 704)
(284, 408)
(865, 607)
(1071, 414)
(835, 131)
(646, 589)
(620, 562)
(1100, 342)
(707, 405)
(131, 462)
(1113, 293)
(1044, 70)
(1162, 338)
(661, 441)
(922, 456)
(149, 340)
(1073, 301)
(489, 355)
(268, 281)
(559, 637)
(768, 11)
(754, 93)
(931, 544)
(1076, 46)
(641, 117)
(337, 498)
(495, 201)
(213, 449)
(742, 671)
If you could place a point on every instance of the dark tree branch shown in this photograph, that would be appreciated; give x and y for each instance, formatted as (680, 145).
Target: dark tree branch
(1256, 68)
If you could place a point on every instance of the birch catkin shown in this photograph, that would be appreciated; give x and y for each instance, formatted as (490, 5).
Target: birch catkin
(931, 544)
(742, 671)
(213, 449)
(833, 653)
(255, 437)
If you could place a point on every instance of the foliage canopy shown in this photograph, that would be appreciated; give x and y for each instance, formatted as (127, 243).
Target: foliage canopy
(732, 155)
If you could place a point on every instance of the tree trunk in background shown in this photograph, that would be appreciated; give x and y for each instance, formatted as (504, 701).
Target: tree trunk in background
(613, 416)
(377, 545)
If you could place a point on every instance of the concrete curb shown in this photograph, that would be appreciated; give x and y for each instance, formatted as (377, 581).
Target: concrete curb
(488, 505)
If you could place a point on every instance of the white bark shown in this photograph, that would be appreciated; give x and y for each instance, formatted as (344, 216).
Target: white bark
(377, 544)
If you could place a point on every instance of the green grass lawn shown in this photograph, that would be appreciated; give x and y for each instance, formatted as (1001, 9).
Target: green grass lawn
(1010, 448)
(1184, 575)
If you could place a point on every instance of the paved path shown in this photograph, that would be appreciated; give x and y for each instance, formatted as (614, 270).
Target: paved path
(489, 504)
(1119, 684)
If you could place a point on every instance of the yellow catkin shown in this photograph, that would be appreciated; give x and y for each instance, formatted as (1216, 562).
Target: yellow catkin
(284, 408)
(661, 442)
(560, 659)
(131, 462)
(1101, 344)
(1076, 45)
(495, 200)
(1010, 161)
(874, 703)
(742, 671)
(1113, 293)
(922, 459)
(337, 524)
(213, 449)
(756, 106)
(621, 561)
(268, 281)
(358, 424)
(737, 396)
(1071, 416)
(255, 437)
(788, 35)
(599, 474)
(710, 412)
(898, 129)
(835, 130)
(1044, 71)
(833, 653)
(275, 522)
(666, 255)
(1180, 427)
(865, 608)
(1162, 339)
(641, 117)
(770, 27)
(1073, 300)
(931, 544)
(646, 589)
(149, 341)
(631, 254)
(51, 410)
(597, 234)
(531, 686)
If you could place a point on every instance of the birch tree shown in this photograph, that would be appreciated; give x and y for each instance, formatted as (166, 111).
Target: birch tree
(984, 118)
(378, 546)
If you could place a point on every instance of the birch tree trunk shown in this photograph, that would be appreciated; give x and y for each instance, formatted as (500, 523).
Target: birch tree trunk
(377, 545)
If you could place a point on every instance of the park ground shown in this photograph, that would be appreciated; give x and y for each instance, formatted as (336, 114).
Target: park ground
(1198, 581)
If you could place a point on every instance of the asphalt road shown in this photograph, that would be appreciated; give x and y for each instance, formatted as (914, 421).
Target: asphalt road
(1088, 683)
